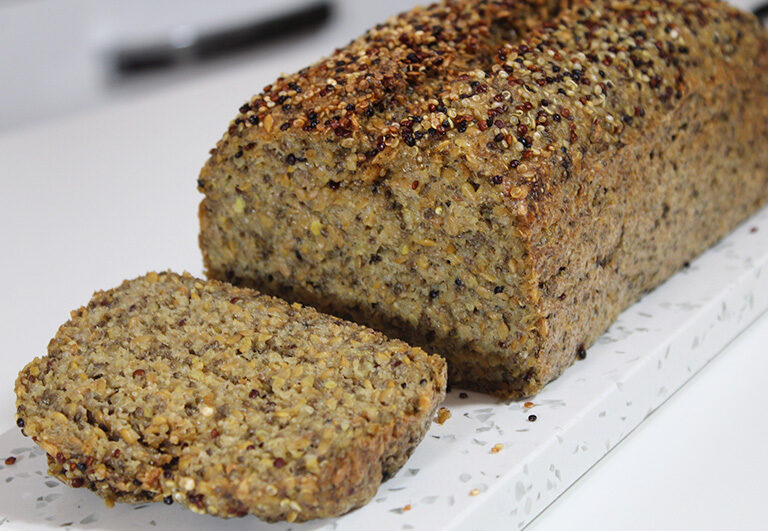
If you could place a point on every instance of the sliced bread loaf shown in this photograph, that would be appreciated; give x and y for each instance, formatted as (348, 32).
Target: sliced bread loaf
(496, 180)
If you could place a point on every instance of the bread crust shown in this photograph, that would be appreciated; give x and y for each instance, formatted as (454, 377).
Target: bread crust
(225, 400)
(497, 190)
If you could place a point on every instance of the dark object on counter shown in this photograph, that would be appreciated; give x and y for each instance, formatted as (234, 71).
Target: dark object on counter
(130, 62)
(761, 13)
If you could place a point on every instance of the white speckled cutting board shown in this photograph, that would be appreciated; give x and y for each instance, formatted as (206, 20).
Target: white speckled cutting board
(489, 463)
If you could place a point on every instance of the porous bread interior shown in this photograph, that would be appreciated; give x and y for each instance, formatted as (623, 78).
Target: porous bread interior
(359, 262)
(225, 400)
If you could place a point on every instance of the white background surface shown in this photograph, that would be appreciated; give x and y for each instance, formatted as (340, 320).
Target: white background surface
(698, 463)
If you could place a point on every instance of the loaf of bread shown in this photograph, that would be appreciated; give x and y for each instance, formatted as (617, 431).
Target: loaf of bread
(496, 181)
(226, 401)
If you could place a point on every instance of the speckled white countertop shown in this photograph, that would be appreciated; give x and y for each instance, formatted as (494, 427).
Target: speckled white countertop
(110, 194)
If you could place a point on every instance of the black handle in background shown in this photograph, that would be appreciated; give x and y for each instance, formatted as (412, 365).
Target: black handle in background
(762, 13)
(130, 62)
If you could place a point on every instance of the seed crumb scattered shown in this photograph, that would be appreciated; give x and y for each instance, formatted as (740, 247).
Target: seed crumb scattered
(528, 405)
(581, 352)
(315, 227)
(10, 460)
(498, 447)
(474, 492)
(407, 507)
(442, 415)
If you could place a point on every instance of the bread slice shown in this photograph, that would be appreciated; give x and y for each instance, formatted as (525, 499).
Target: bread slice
(225, 400)
(496, 181)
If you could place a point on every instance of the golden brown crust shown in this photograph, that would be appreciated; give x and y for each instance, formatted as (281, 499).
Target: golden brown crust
(226, 401)
(446, 216)
(397, 80)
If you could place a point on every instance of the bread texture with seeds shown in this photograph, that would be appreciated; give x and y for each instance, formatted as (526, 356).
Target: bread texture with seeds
(225, 400)
(496, 180)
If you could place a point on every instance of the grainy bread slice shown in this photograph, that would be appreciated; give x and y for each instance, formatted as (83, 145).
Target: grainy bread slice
(496, 180)
(225, 400)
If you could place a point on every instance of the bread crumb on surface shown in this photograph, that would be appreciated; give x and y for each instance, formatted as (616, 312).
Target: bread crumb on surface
(442, 415)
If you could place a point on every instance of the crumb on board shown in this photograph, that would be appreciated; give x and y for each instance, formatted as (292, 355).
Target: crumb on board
(498, 447)
(443, 414)
(474, 492)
